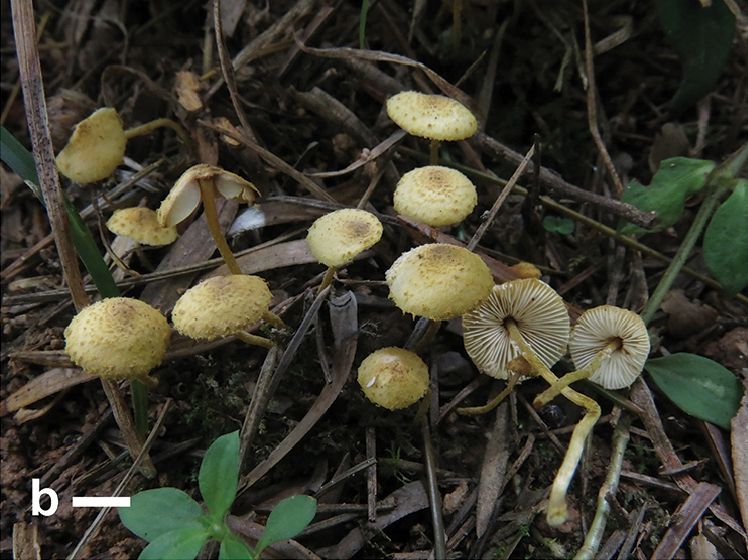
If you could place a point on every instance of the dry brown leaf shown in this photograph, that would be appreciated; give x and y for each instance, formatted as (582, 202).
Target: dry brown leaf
(686, 317)
(48, 383)
(224, 123)
(187, 89)
(739, 437)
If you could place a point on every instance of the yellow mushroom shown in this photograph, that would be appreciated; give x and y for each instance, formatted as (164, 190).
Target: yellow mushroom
(118, 338)
(141, 225)
(435, 195)
(393, 377)
(336, 238)
(438, 281)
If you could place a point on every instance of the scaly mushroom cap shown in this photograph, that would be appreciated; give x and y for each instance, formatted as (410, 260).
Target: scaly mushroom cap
(393, 378)
(598, 327)
(336, 238)
(117, 338)
(539, 313)
(431, 116)
(184, 197)
(221, 306)
(141, 225)
(438, 281)
(95, 149)
(435, 195)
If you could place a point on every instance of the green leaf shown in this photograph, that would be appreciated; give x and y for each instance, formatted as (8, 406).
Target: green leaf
(219, 474)
(233, 548)
(180, 544)
(289, 518)
(699, 386)
(675, 180)
(702, 37)
(726, 240)
(362, 24)
(17, 157)
(557, 224)
(153, 513)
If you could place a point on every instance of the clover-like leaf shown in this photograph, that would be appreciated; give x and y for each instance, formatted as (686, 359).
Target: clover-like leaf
(180, 544)
(219, 474)
(153, 513)
(289, 518)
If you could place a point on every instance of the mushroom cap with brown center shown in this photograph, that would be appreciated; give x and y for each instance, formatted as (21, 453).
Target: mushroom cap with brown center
(393, 377)
(140, 224)
(598, 327)
(95, 149)
(184, 197)
(118, 338)
(438, 281)
(537, 310)
(336, 238)
(431, 116)
(221, 306)
(435, 195)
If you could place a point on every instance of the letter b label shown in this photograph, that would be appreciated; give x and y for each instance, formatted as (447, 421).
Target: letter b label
(36, 494)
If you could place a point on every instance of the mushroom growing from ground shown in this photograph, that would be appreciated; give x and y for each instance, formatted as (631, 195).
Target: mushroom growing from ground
(118, 338)
(438, 281)
(393, 377)
(336, 238)
(435, 117)
(140, 224)
(435, 195)
(223, 306)
(202, 183)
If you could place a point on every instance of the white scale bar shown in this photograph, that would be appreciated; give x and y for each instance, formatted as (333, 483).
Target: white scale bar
(100, 502)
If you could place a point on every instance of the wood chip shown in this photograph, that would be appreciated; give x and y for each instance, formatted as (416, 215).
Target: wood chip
(187, 90)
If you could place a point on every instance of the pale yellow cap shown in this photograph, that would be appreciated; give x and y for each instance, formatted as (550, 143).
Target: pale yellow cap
(435, 195)
(95, 149)
(221, 306)
(118, 338)
(438, 281)
(431, 116)
(598, 327)
(393, 377)
(336, 238)
(184, 197)
(537, 310)
(140, 224)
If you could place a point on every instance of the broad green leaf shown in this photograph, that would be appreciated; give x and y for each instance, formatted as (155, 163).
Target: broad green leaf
(219, 474)
(675, 180)
(153, 513)
(726, 240)
(289, 518)
(702, 37)
(233, 548)
(557, 224)
(697, 385)
(180, 544)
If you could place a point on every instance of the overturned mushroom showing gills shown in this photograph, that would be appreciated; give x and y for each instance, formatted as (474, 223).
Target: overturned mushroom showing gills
(435, 195)
(393, 377)
(95, 149)
(438, 281)
(336, 238)
(435, 117)
(223, 306)
(141, 225)
(118, 338)
(202, 183)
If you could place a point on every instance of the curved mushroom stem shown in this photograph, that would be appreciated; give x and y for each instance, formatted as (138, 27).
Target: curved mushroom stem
(583, 373)
(496, 401)
(254, 340)
(208, 196)
(434, 152)
(557, 512)
(149, 127)
(327, 279)
(272, 319)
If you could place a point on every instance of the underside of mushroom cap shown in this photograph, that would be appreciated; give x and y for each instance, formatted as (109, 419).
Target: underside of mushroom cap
(336, 238)
(393, 377)
(598, 327)
(118, 338)
(141, 224)
(435, 195)
(537, 310)
(431, 116)
(221, 306)
(95, 149)
(438, 281)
